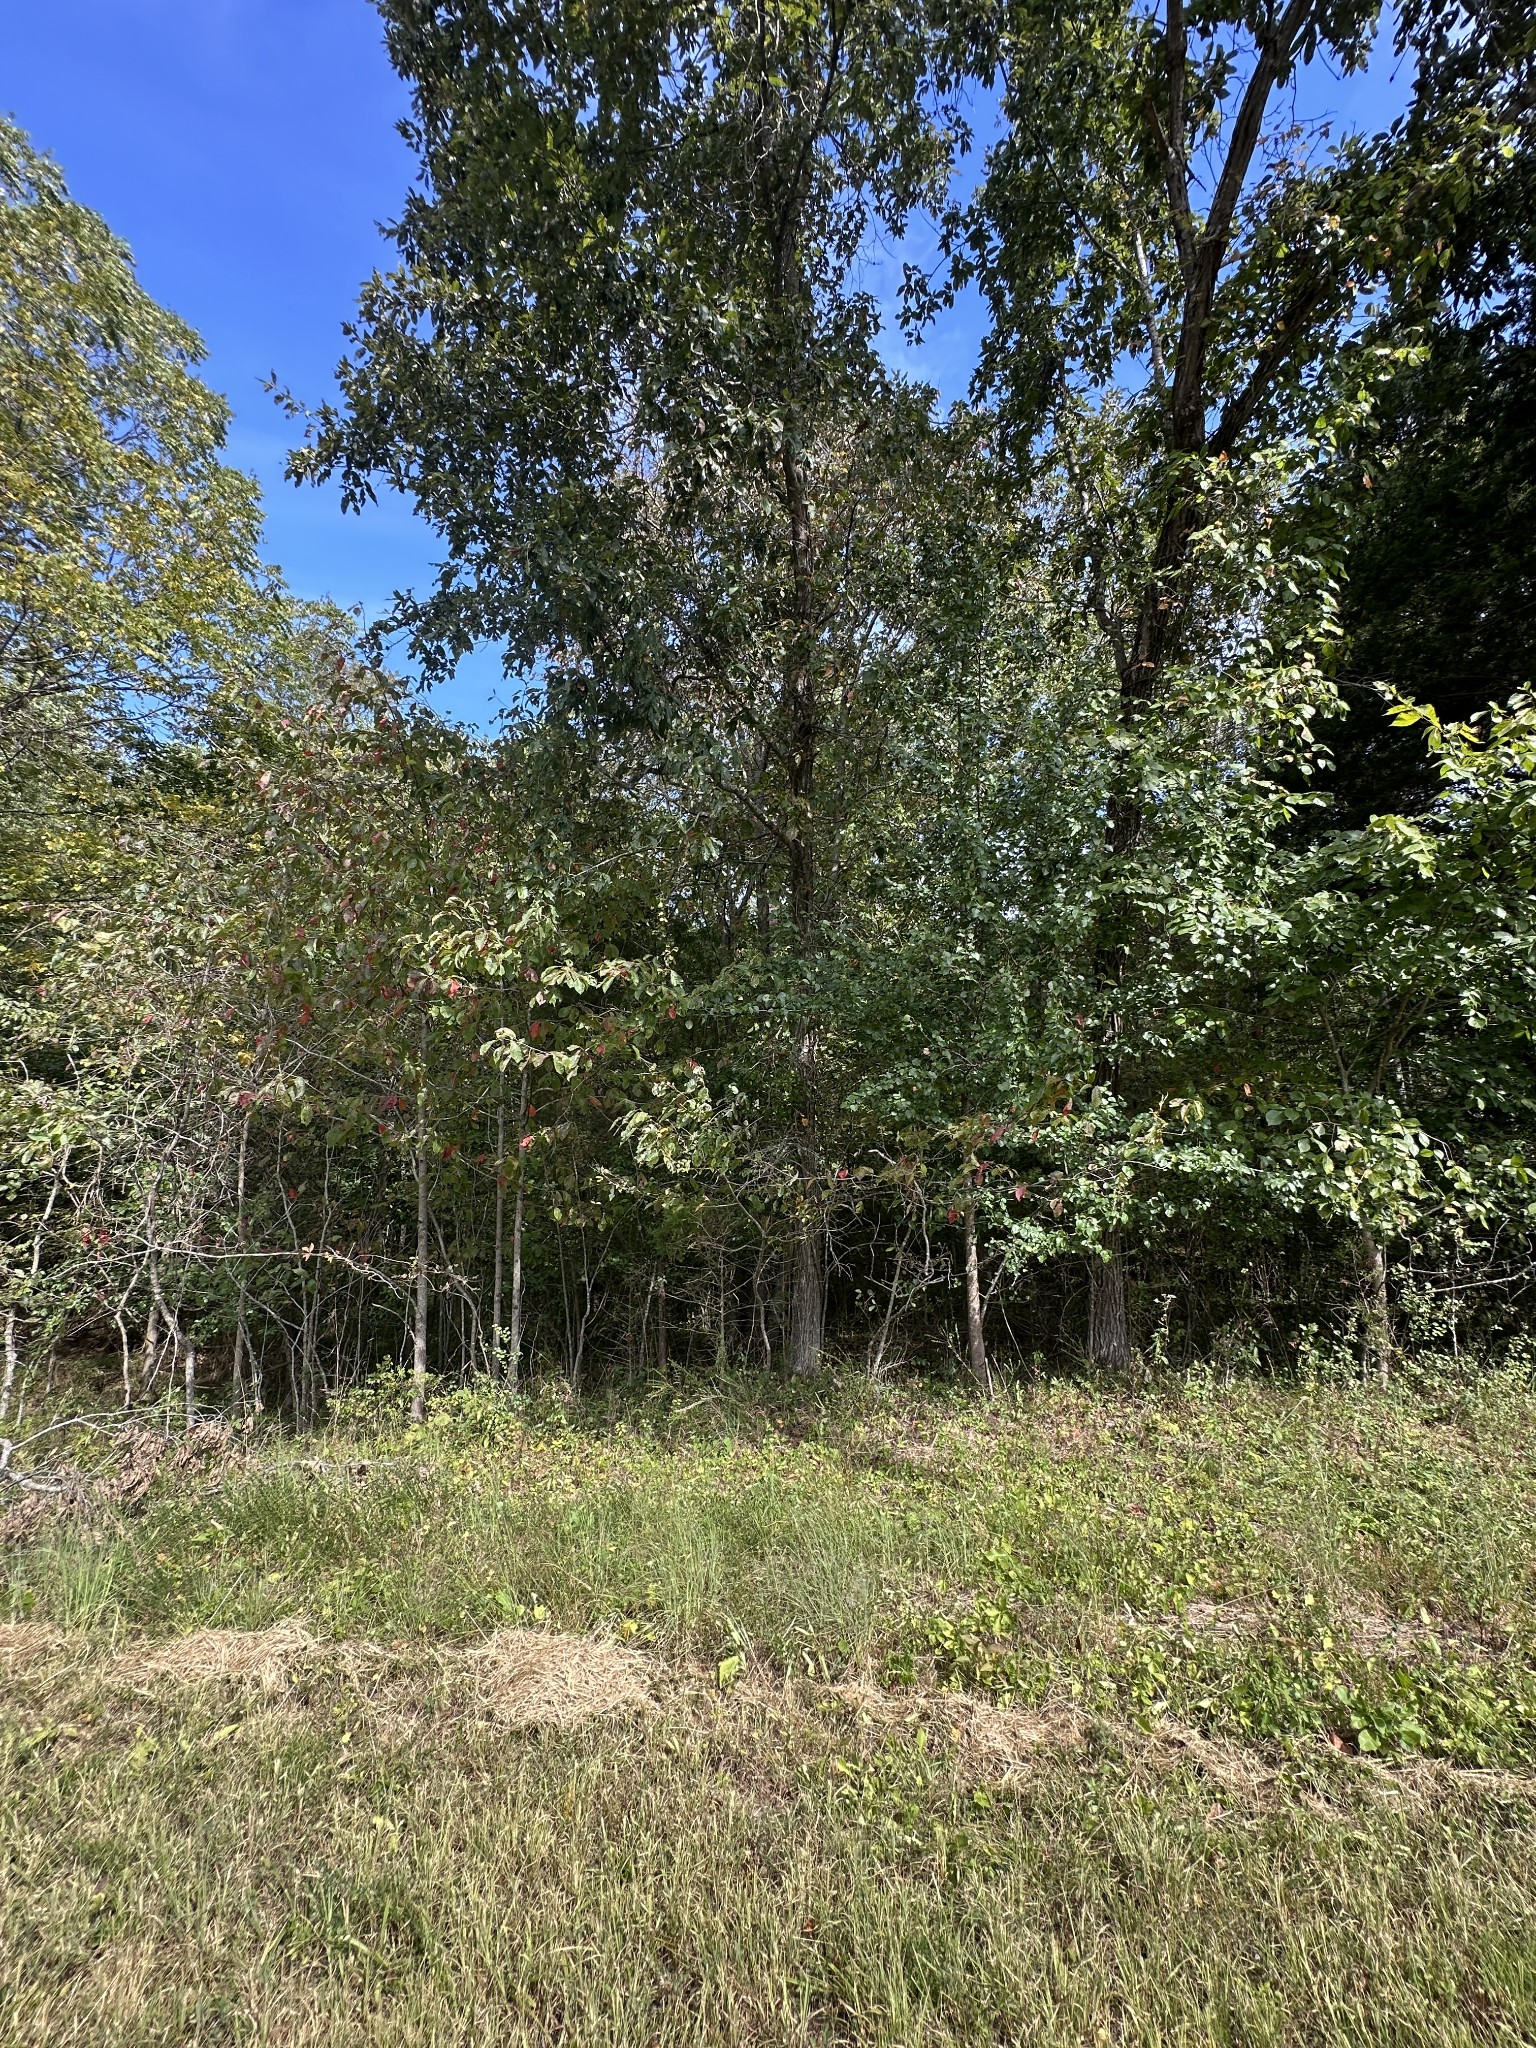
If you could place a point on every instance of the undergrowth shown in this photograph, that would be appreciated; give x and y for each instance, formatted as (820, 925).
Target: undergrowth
(1269, 1563)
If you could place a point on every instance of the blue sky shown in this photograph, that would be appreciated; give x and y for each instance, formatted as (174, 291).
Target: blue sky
(246, 150)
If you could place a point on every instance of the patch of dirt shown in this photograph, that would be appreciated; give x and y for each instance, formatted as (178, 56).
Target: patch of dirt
(21, 1641)
(533, 1679)
(266, 1655)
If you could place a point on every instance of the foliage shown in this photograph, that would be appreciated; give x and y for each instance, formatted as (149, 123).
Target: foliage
(923, 894)
(128, 550)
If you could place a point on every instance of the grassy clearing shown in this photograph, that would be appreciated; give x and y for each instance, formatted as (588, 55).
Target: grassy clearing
(1261, 1563)
(1288, 1635)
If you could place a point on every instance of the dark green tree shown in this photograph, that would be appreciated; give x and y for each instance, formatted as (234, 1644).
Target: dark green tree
(626, 370)
(1177, 270)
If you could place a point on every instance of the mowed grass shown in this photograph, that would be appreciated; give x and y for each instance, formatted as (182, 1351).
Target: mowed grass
(1292, 1629)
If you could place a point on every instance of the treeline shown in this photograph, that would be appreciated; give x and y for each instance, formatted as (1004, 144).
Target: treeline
(1051, 876)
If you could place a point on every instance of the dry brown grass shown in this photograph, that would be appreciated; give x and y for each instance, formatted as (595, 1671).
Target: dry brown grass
(523, 1676)
(1366, 1630)
(266, 1655)
(763, 1866)
(530, 1677)
(1230, 1766)
(996, 1740)
(1008, 1738)
(23, 1641)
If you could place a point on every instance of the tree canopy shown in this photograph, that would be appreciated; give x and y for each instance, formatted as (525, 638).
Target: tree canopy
(1052, 875)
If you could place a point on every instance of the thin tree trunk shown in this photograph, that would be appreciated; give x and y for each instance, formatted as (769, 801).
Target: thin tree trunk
(172, 1324)
(242, 1333)
(515, 1338)
(807, 1297)
(295, 1365)
(760, 1313)
(981, 1371)
(1109, 1327)
(423, 1303)
(584, 1319)
(890, 1309)
(150, 1356)
(501, 1215)
(807, 1300)
(661, 1325)
(1378, 1308)
(189, 1377)
(122, 1338)
(8, 1383)
(309, 1357)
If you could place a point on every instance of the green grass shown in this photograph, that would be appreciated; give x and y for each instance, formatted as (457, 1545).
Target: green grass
(1369, 1561)
(1316, 1581)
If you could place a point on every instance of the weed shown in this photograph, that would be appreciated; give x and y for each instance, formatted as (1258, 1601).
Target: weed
(1310, 1576)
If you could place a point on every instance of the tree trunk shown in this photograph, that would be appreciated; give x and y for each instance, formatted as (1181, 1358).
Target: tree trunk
(661, 1325)
(1159, 620)
(8, 1383)
(127, 1350)
(500, 1227)
(1109, 1328)
(189, 1382)
(807, 1277)
(149, 1358)
(760, 1314)
(515, 1335)
(172, 1324)
(423, 1301)
(981, 1371)
(877, 1358)
(1378, 1307)
(242, 1334)
(807, 1305)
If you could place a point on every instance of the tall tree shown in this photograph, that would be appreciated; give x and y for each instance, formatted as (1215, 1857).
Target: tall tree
(626, 370)
(131, 598)
(1176, 267)
(129, 575)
